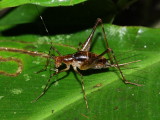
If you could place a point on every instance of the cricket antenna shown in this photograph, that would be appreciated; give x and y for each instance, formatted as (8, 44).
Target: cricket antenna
(45, 27)
(51, 56)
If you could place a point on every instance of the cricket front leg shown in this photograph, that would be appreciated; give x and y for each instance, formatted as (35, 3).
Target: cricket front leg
(82, 84)
(48, 83)
(52, 48)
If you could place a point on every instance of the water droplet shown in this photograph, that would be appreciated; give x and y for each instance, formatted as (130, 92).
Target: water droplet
(36, 62)
(140, 31)
(1, 97)
(122, 32)
(27, 77)
(145, 46)
(61, 0)
(68, 36)
(16, 91)
(43, 75)
(37, 3)
(43, 86)
(56, 83)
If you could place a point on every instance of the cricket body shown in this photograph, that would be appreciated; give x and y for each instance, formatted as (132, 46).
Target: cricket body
(83, 59)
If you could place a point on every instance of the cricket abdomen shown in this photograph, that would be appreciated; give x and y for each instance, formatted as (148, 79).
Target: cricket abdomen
(83, 60)
(77, 59)
(101, 63)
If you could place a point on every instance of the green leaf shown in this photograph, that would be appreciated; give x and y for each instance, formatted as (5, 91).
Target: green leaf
(20, 15)
(108, 97)
(13, 3)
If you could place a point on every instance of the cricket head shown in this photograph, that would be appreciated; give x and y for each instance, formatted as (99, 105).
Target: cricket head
(58, 61)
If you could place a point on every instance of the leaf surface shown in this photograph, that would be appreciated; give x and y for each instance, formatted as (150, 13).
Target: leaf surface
(108, 97)
(12, 3)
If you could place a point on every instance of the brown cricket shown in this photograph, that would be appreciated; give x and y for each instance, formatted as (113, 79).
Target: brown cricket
(83, 59)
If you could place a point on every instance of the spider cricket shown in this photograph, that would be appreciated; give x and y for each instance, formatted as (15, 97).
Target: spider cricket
(83, 59)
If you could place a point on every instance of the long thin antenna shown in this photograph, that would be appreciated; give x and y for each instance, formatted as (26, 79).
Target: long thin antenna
(51, 48)
(45, 27)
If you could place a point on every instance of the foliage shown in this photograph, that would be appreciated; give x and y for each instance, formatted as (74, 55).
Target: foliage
(108, 97)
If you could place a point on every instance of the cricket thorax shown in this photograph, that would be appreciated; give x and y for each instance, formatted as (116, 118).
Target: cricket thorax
(82, 56)
(75, 59)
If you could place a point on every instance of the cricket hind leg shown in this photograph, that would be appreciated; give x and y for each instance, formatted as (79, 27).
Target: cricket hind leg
(82, 84)
(48, 61)
(109, 50)
(118, 67)
(48, 83)
(111, 55)
(87, 44)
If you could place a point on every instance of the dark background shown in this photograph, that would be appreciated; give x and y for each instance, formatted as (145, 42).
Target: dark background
(61, 20)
